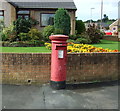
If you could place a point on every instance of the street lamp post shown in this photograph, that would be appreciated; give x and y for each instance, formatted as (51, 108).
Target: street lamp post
(91, 16)
(101, 14)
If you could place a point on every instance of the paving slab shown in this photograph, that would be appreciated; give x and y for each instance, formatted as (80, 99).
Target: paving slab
(77, 96)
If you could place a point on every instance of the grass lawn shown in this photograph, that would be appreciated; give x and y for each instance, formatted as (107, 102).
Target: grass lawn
(104, 44)
(108, 44)
(26, 49)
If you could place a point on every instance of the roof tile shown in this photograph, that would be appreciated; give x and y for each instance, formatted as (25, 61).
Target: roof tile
(67, 4)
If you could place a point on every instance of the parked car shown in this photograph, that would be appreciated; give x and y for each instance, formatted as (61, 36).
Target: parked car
(108, 32)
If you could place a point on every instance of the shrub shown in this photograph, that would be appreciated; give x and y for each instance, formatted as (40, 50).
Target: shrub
(33, 22)
(70, 40)
(74, 37)
(83, 40)
(62, 22)
(34, 34)
(24, 25)
(1, 25)
(4, 37)
(24, 37)
(8, 33)
(14, 44)
(23, 43)
(94, 34)
(58, 31)
(5, 43)
(80, 26)
(10, 44)
(84, 35)
(35, 43)
(47, 31)
(101, 34)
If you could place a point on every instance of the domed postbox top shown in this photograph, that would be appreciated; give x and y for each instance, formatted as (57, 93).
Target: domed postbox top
(58, 37)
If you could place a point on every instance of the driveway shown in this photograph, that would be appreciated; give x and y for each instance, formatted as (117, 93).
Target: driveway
(77, 96)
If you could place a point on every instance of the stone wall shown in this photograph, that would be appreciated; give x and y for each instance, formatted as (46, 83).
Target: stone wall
(9, 12)
(36, 15)
(29, 68)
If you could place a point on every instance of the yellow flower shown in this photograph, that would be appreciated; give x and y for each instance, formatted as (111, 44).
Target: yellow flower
(81, 48)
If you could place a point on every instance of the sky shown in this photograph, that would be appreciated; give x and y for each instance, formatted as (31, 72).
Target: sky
(110, 8)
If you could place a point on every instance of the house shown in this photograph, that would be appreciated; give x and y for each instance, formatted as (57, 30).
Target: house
(114, 26)
(90, 24)
(40, 10)
(99, 25)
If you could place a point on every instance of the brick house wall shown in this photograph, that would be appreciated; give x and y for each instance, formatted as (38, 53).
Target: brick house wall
(29, 68)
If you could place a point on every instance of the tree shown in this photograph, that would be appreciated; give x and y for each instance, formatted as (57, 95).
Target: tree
(105, 19)
(99, 20)
(88, 21)
(80, 26)
(62, 22)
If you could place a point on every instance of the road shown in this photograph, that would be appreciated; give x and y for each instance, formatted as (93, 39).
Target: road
(77, 96)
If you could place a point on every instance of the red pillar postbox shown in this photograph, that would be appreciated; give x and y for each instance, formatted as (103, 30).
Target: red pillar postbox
(58, 61)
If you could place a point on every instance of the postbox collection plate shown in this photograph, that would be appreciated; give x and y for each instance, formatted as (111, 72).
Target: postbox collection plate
(60, 53)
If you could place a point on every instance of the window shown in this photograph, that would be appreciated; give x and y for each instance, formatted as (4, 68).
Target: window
(1, 14)
(25, 14)
(47, 19)
(114, 28)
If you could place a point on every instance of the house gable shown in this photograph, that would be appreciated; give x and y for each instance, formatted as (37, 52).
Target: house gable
(114, 26)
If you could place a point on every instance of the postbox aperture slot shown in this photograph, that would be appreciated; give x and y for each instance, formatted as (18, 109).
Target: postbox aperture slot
(60, 47)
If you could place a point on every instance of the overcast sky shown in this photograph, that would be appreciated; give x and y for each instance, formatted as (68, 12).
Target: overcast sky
(110, 8)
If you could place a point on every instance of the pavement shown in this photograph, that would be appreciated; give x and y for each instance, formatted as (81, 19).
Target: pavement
(75, 96)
